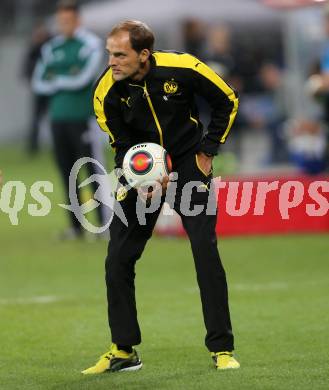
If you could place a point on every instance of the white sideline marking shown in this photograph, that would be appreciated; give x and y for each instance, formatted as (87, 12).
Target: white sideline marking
(31, 300)
(260, 287)
(274, 285)
(250, 287)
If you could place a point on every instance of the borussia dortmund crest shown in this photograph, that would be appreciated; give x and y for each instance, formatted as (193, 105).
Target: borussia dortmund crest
(170, 87)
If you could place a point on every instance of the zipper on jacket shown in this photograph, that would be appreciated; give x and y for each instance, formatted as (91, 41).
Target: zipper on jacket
(155, 117)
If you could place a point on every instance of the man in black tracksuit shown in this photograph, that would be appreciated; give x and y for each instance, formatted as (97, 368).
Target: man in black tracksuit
(148, 96)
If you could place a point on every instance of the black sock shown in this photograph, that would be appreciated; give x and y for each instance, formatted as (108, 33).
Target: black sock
(126, 348)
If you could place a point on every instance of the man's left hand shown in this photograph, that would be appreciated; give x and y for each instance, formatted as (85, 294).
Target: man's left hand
(205, 163)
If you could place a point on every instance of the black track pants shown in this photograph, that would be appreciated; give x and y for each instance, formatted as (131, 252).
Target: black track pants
(126, 247)
(72, 140)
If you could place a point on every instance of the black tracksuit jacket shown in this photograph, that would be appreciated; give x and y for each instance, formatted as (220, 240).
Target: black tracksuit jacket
(161, 108)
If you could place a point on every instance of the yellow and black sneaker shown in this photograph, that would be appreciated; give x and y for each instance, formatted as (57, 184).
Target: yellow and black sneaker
(115, 360)
(224, 360)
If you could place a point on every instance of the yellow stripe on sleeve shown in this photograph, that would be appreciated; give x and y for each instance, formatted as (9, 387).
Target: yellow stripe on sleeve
(101, 91)
(208, 73)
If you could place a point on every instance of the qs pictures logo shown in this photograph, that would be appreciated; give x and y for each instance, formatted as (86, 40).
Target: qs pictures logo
(170, 87)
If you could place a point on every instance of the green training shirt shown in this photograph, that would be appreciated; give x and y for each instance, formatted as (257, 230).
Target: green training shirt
(66, 72)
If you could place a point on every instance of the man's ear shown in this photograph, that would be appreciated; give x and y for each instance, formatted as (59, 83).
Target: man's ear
(144, 55)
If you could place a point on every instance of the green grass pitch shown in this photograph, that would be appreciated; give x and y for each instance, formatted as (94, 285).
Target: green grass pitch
(53, 309)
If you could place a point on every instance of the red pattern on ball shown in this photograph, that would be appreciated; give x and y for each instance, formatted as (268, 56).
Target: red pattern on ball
(141, 162)
(168, 163)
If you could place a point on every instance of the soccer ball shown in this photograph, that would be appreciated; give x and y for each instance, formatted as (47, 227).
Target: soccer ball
(145, 164)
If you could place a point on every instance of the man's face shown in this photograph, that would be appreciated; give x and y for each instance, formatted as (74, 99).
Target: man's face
(67, 22)
(123, 59)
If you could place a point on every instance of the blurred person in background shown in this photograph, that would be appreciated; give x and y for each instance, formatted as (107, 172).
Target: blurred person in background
(194, 37)
(39, 102)
(318, 83)
(220, 58)
(307, 145)
(66, 72)
(267, 110)
(275, 111)
(219, 55)
(194, 33)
